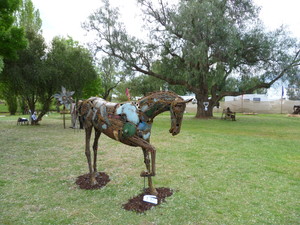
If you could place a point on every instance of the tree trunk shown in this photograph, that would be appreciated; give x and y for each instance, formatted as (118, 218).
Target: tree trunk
(31, 111)
(45, 108)
(204, 111)
(12, 103)
(64, 116)
(204, 105)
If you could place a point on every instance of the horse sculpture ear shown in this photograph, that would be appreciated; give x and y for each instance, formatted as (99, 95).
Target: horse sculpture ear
(189, 100)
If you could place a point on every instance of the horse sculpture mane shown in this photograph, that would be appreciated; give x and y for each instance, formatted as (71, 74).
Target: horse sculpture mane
(129, 123)
(167, 94)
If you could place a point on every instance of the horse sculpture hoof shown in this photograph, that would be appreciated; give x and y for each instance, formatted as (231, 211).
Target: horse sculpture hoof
(93, 181)
(154, 192)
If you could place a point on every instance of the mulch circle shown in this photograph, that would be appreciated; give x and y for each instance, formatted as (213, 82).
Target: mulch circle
(138, 205)
(83, 181)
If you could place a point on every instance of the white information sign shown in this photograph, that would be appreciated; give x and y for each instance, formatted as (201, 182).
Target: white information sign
(150, 198)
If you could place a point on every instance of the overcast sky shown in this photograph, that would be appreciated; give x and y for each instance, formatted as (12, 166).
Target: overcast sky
(64, 17)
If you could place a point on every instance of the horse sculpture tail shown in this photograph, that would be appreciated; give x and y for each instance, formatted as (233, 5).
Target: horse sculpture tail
(81, 112)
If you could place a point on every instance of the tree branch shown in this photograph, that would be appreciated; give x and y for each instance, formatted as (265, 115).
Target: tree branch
(295, 62)
(167, 79)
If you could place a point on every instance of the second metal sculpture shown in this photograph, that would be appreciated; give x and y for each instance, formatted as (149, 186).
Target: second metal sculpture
(129, 123)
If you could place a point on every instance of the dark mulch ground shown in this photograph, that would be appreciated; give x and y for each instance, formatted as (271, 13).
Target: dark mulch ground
(138, 205)
(83, 181)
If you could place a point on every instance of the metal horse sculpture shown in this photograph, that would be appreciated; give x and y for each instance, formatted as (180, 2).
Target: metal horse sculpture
(129, 123)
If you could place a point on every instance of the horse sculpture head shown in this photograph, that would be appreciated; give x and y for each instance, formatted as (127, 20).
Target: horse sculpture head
(177, 109)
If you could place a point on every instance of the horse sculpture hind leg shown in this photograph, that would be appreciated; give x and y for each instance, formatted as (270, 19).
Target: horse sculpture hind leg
(93, 170)
(95, 149)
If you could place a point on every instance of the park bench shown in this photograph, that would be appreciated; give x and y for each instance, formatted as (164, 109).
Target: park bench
(21, 121)
(228, 114)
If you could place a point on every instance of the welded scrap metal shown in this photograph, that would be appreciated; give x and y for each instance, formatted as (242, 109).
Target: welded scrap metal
(64, 97)
(130, 123)
(118, 120)
(296, 109)
(121, 121)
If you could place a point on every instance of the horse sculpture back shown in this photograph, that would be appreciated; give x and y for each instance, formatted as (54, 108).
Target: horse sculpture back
(129, 123)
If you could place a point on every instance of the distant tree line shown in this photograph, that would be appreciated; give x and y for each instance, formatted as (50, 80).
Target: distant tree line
(33, 72)
(211, 48)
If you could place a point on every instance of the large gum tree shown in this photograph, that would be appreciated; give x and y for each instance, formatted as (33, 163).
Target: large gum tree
(214, 48)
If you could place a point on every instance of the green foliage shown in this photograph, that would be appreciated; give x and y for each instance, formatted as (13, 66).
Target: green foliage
(213, 48)
(93, 88)
(293, 93)
(12, 103)
(143, 84)
(11, 37)
(112, 73)
(70, 65)
(293, 90)
(222, 172)
(24, 75)
(1, 64)
(29, 17)
(7, 93)
(3, 107)
(35, 76)
(120, 92)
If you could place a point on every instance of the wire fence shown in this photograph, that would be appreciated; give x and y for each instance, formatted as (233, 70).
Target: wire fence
(249, 106)
(276, 106)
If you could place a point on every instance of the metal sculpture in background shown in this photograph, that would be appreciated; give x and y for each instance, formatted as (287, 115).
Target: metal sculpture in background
(228, 114)
(65, 99)
(296, 109)
(129, 123)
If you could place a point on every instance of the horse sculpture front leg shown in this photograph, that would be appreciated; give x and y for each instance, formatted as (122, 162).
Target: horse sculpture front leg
(150, 163)
(150, 169)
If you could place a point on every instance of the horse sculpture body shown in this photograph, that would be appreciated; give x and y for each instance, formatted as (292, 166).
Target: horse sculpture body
(129, 123)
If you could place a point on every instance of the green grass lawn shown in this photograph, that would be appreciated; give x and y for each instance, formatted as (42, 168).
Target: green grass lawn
(222, 172)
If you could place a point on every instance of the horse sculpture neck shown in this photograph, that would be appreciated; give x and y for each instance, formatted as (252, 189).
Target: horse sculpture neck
(157, 102)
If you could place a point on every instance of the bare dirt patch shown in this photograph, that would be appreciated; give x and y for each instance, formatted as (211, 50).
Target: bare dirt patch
(293, 115)
(137, 204)
(83, 181)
